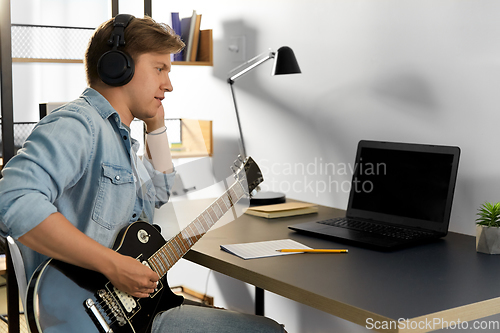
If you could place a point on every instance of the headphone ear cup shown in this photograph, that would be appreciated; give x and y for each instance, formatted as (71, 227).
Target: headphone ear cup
(115, 68)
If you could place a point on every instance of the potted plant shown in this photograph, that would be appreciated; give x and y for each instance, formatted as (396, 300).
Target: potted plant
(488, 228)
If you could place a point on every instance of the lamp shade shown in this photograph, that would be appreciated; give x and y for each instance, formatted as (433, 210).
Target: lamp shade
(285, 62)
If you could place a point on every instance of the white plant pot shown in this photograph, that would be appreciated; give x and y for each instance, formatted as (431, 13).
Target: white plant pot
(487, 239)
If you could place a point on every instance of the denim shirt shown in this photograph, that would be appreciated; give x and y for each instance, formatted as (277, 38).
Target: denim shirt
(79, 161)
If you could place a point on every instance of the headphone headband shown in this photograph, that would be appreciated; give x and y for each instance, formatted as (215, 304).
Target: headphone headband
(120, 22)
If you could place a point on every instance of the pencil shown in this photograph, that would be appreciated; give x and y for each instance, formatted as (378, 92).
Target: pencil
(314, 250)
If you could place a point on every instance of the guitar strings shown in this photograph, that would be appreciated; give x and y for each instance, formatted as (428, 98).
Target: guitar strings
(107, 309)
(102, 309)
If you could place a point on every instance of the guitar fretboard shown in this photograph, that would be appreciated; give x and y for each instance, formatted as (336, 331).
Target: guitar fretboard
(180, 244)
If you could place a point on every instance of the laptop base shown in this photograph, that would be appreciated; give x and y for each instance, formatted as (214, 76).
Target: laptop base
(362, 239)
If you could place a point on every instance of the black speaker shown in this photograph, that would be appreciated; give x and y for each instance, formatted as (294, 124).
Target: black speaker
(115, 67)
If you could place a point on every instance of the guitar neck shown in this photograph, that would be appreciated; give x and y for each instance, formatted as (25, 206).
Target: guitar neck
(181, 243)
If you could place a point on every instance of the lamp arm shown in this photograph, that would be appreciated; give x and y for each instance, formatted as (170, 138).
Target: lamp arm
(243, 152)
(239, 74)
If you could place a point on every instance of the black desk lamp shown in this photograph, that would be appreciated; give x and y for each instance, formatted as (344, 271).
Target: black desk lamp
(284, 63)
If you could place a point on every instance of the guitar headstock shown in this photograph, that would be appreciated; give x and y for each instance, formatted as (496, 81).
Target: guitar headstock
(249, 170)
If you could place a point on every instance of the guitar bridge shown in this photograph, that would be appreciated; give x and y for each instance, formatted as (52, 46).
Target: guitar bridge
(104, 310)
(97, 317)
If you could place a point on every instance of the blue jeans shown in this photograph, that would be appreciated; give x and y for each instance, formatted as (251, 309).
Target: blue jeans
(191, 319)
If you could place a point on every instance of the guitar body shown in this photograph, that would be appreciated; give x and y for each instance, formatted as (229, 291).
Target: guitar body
(64, 298)
(60, 295)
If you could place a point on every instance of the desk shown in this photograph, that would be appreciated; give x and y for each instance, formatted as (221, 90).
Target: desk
(446, 280)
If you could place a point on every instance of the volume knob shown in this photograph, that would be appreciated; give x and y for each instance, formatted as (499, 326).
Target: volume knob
(143, 236)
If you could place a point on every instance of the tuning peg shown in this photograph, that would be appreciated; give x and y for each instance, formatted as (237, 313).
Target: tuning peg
(233, 169)
(241, 159)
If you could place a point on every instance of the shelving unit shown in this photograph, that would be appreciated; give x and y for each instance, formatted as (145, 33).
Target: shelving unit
(196, 139)
(62, 61)
(205, 51)
(50, 50)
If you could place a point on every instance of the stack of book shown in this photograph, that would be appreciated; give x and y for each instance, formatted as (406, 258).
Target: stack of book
(282, 210)
(189, 30)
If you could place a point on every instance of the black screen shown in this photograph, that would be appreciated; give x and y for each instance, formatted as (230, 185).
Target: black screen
(402, 183)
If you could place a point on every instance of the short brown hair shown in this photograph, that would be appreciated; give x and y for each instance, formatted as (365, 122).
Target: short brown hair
(142, 35)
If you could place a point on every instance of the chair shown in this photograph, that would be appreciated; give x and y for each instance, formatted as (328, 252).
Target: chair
(17, 261)
(16, 283)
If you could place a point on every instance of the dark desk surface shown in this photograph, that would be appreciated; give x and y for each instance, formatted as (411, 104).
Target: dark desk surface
(447, 279)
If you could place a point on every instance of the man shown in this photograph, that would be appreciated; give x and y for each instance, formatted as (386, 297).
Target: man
(77, 180)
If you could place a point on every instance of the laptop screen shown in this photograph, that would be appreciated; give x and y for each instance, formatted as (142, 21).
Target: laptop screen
(404, 184)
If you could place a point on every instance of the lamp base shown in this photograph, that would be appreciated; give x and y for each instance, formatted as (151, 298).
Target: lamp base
(267, 198)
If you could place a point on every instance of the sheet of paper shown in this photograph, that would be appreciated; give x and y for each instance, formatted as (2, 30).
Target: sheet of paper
(263, 249)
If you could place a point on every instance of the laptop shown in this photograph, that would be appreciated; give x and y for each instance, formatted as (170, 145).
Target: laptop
(401, 195)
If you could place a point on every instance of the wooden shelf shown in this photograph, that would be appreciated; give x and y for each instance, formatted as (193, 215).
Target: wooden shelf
(205, 54)
(193, 295)
(79, 61)
(192, 63)
(3, 264)
(62, 61)
(196, 137)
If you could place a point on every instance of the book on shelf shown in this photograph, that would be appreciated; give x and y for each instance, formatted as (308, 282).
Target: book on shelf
(196, 38)
(177, 147)
(176, 26)
(282, 210)
(190, 36)
(205, 46)
(198, 42)
(185, 27)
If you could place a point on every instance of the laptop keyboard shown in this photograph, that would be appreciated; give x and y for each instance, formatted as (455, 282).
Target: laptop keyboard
(385, 230)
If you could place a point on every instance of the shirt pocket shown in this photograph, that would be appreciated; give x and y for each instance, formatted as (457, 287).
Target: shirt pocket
(116, 196)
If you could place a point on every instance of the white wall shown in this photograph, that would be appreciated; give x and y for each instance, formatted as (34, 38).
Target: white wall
(414, 71)
(421, 71)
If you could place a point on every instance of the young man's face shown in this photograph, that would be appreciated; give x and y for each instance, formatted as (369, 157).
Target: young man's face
(146, 90)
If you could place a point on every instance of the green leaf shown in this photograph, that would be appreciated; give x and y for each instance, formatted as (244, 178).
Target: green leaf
(489, 214)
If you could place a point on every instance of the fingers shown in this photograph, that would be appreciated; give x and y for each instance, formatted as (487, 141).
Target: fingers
(141, 295)
(133, 278)
(145, 286)
(143, 292)
(149, 287)
(153, 277)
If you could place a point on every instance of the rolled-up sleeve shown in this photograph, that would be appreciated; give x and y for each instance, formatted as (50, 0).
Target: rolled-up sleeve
(52, 159)
(162, 183)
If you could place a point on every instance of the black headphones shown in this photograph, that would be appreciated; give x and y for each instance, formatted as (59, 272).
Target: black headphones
(115, 67)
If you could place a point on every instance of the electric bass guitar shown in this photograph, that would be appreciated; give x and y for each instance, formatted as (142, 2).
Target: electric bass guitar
(66, 298)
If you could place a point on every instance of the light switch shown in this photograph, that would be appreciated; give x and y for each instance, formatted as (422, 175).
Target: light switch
(237, 48)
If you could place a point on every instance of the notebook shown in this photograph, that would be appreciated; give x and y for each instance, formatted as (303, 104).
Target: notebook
(401, 195)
